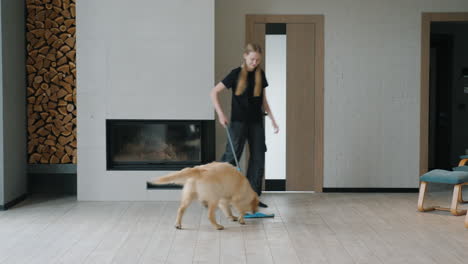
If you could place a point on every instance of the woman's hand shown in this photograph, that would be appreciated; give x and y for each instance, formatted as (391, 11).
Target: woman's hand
(223, 120)
(275, 127)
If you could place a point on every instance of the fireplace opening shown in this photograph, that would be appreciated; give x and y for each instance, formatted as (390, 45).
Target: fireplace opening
(159, 144)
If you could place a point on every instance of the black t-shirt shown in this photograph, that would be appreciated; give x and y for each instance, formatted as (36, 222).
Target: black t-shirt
(245, 107)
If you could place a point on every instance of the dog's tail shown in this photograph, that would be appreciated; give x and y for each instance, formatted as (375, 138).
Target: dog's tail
(179, 177)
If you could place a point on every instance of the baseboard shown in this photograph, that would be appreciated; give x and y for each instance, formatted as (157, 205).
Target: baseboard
(13, 202)
(372, 190)
(275, 185)
(150, 186)
(287, 192)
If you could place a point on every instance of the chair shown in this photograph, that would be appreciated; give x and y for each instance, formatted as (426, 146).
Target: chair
(458, 177)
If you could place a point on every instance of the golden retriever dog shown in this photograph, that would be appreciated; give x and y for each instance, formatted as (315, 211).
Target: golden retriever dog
(214, 184)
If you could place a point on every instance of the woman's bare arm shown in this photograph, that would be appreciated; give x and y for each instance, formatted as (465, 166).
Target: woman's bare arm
(215, 100)
(267, 109)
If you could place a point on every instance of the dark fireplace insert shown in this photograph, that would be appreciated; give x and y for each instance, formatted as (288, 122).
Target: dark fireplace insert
(159, 144)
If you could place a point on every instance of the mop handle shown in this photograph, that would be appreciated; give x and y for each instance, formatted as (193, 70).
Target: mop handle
(232, 148)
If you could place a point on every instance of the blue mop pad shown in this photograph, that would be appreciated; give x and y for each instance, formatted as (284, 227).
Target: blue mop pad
(258, 215)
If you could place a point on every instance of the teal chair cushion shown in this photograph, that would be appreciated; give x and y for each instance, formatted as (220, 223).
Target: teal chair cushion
(444, 176)
(464, 157)
(460, 168)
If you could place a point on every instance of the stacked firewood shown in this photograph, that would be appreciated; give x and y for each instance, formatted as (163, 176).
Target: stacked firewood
(51, 80)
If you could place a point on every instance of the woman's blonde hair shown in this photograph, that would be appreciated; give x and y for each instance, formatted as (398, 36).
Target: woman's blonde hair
(242, 82)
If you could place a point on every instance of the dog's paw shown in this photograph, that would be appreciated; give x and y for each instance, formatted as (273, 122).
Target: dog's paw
(233, 218)
(178, 226)
(219, 227)
(241, 221)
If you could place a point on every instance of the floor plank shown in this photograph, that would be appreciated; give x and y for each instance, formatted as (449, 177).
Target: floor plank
(381, 228)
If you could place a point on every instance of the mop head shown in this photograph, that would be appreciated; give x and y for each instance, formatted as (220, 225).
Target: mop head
(259, 215)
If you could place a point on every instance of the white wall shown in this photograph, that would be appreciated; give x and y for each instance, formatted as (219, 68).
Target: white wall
(138, 59)
(2, 163)
(13, 90)
(372, 81)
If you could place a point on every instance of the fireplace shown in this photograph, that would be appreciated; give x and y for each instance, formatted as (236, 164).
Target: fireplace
(159, 144)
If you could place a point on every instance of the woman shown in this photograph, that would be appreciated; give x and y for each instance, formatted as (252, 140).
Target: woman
(248, 107)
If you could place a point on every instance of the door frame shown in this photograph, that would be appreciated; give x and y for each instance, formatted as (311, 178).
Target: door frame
(426, 20)
(318, 20)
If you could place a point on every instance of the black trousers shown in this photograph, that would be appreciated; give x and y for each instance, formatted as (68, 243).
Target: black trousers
(254, 134)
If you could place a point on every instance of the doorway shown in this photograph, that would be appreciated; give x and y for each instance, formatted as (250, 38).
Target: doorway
(444, 90)
(440, 100)
(297, 50)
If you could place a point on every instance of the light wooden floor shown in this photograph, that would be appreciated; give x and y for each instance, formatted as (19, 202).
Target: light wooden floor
(309, 228)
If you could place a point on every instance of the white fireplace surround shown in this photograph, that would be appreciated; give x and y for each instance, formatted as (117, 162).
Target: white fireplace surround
(138, 60)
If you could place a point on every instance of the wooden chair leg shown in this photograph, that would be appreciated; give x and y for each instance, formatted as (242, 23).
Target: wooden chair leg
(422, 193)
(466, 221)
(455, 197)
(460, 197)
